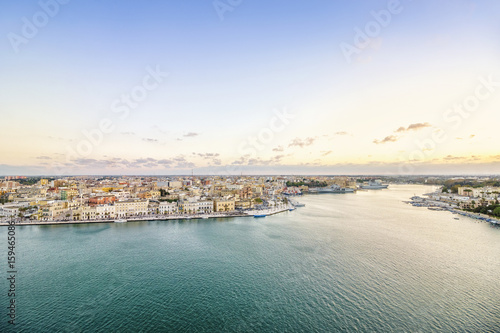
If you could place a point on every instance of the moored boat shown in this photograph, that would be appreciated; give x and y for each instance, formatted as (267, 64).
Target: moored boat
(296, 203)
(374, 185)
(331, 189)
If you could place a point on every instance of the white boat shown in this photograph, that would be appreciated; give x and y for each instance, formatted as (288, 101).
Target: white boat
(374, 185)
(259, 212)
(296, 203)
(120, 221)
(331, 189)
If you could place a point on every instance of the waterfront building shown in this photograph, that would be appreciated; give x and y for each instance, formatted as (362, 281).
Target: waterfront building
(191, 206)
(9, 210)
(479, 192)
(106, 211)
(244, 204)
(168, 208)
(224, 205)
(87, 213)
(54, 210)
(131, 208)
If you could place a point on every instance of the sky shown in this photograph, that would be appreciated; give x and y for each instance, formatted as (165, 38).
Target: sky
(249, 87)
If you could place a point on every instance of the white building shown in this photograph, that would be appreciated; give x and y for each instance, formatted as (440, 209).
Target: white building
(121, 195)
(131, 208)
(9, 210)
(168, 208)
(86, 213)
(175, 184)
(479, 192)
(106, 211)
(196, 207)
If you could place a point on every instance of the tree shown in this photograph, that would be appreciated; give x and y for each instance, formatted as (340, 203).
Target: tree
(496, 211)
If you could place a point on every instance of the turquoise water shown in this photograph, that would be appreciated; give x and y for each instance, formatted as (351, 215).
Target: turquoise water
(363, 262)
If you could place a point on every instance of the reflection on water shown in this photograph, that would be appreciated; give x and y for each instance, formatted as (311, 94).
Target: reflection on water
(344, 262)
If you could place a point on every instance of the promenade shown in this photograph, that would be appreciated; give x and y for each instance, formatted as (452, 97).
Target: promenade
(145, 218)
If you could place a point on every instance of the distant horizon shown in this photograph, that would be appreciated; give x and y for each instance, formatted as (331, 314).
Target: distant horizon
(261, 175)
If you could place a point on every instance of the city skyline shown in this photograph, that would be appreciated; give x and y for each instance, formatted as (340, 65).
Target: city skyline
(225, 88)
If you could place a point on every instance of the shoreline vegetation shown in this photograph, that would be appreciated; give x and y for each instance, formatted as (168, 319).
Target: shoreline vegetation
(437, 205)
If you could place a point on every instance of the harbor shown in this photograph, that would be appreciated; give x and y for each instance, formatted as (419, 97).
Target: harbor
(251, 213)
(436, 205)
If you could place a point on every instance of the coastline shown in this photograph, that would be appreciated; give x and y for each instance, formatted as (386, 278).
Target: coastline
(440, 206)
(146, 218)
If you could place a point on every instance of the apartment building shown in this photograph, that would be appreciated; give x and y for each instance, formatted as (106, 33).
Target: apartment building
(168, 208)
(196, 207)
(224, 205)
(131, 208)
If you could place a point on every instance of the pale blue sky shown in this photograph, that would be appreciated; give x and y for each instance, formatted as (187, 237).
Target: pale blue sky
(227, 79)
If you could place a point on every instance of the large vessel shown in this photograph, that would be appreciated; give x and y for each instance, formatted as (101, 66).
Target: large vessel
(374, 185)
(296, 203)
(331, 189)
(120, 221)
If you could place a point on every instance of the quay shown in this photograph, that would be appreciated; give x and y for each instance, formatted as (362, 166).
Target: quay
(148, 218)
(441, 206)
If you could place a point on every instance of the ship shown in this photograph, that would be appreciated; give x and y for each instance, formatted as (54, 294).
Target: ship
(331, 189)
(374, 185)
(296, 203)
(120, 221)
